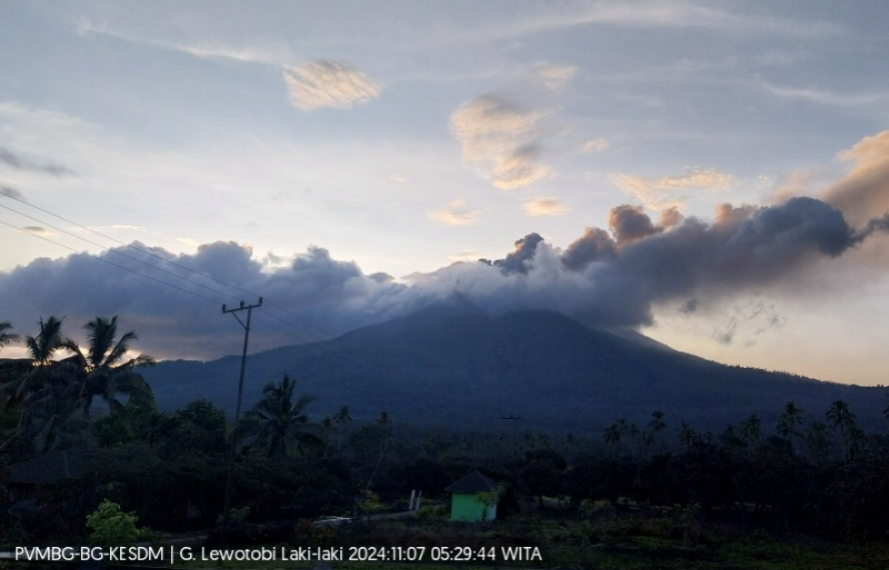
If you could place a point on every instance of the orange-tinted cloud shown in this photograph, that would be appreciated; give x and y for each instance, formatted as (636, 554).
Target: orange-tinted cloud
(328, 84)
(544, 206)
(454, 214)
(495, 131)
(863, 194)
(659, 192)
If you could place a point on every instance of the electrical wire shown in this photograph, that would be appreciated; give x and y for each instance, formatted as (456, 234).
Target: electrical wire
(341, 351)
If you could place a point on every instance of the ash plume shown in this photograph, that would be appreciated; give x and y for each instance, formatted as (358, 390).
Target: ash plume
(602, 278)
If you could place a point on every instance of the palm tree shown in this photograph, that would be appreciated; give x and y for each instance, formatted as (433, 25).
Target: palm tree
(686, 435)
(816, 438)
(751, 430)
(788, 421)
(840, 417)
(384, 419)
(886, 409)
(102, 372)
(47, 341)
(329, 423)
(6, 337)
(611, 436)
(657, 425)
(23, 376)
(342, 416)
(282, 420)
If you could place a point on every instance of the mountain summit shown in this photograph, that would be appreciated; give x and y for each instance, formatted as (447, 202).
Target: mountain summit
(454, 366)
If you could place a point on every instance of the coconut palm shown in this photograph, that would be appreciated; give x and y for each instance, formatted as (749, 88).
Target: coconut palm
(282, 420)
(6, 337)
(342, 416)
(751, 430)
(329, 423)
(886, 409)
(22, 376)
(611, 436)
(840, 417)
(42, 347)
(657, 425)
(788, 421)
(102, 371)
(817, 439)
(686, 435)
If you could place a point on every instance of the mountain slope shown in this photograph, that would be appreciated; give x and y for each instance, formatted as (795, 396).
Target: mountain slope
(460, 368)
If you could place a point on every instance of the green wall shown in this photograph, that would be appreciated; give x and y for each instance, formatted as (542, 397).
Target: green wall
(468, 507)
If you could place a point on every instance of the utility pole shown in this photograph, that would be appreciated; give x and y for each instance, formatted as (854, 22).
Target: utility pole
(226, 508)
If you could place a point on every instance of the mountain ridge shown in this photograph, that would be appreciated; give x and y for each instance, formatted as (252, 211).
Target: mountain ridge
(449, 366)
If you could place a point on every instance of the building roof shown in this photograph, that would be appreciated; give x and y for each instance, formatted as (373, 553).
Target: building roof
(473, 483)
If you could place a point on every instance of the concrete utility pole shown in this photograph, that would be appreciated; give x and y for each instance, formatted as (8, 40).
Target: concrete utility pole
(231, 457)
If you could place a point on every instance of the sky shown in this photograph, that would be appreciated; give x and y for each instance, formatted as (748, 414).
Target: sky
(712, 174)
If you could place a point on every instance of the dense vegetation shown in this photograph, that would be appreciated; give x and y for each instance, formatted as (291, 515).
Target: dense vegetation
(812, 473)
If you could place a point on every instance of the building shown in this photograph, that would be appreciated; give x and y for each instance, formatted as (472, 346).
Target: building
(473, 498)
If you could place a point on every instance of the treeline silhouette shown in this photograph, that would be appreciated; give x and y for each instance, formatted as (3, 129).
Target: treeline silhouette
(79, 430)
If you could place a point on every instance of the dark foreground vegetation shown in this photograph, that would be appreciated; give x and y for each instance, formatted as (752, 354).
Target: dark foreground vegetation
(86, 458)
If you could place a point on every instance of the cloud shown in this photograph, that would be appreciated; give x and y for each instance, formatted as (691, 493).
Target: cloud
(13, 160)
(750, 319)
(864, 192)
(600, 279)
(594, 145)
(273, 55)
(630, 224)
(669, 218)
(494, 130)
(519, 261)
(454, 214)
(658, 192)
(470, 255)
(594, 245)
(823, 97)
(553, 76)
(12, 193)
(328, 84)
(37, 230)
(544, 206)
(651, 15)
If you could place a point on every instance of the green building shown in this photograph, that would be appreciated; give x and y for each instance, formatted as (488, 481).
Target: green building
(473, 498)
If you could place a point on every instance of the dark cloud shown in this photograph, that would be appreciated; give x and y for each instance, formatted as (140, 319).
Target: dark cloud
(13, 160)
(593, 279)
(872, 226)
(689, 307)
(595, 244)
(629, 224)
(725, 333)
(669, 218)
(518, 260)
(748, 321)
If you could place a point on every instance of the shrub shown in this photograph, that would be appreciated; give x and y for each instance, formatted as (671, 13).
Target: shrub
(111, 526)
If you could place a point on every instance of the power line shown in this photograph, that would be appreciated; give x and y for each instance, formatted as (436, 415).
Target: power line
(44, 238)
(343, 352)
(137, 260)
(327, 335)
